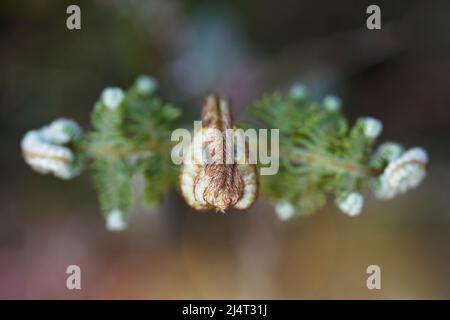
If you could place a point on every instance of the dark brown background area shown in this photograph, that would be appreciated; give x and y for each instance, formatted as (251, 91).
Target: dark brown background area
(400, 74)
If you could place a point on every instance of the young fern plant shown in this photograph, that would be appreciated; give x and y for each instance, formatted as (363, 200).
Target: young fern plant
(319, 154)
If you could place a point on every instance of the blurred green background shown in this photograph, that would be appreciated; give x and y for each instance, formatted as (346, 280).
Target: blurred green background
(242, 49)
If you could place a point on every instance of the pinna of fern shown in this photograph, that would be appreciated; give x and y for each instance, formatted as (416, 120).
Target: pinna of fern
(320, 153)
(129, 138)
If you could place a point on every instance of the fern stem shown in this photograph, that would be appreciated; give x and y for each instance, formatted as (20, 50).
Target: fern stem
(118, 152)
(319, 160)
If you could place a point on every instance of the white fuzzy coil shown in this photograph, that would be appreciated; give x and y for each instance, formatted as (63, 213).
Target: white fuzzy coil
(44, 149)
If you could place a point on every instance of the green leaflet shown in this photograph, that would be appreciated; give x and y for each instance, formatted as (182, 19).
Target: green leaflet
(112, 179)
